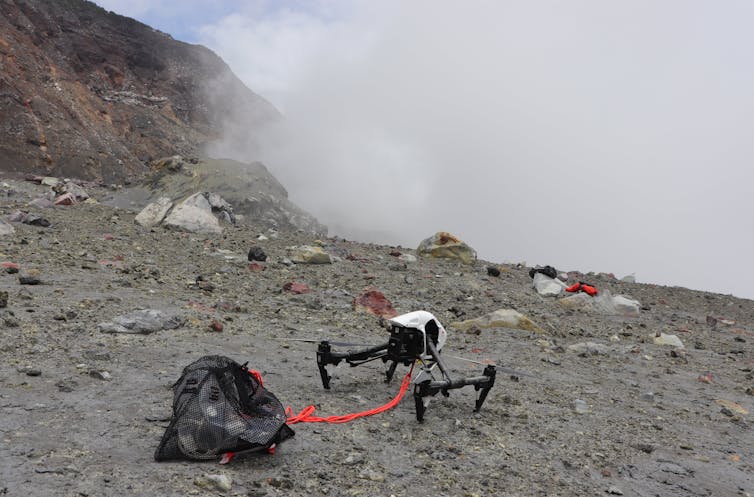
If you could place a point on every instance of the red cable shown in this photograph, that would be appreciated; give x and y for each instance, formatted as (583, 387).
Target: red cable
(305, 416)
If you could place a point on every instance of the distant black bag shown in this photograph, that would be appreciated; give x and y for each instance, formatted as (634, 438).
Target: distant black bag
(219, 407)
(547, 271)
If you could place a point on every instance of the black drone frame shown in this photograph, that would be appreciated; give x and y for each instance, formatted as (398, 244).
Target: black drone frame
(405, 346)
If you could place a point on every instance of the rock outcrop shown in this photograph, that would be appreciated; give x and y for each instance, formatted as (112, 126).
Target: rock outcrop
(249, 189)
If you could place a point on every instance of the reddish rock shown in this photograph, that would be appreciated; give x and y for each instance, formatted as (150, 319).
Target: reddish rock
(216, 325)
(375, 302)
(296, 288)
(356, 258)
(706, 378)
(256, 267)
(10, 267)
(65, 199)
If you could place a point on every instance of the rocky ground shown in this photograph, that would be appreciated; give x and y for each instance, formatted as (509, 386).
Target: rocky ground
(83, 410)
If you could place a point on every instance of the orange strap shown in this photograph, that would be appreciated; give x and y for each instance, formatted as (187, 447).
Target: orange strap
(305, 416)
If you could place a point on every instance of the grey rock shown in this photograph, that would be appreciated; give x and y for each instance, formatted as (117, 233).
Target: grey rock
(221, 208)
(216, 482)
(41, 203)
(673, 468)
(193, 215)
(29, 277)
(67, 385)
(100, 375)
(6, 228)
(603, 303)
(581, 407)
(154, 213)
(546, 286)
(10, 321)
(664, 339)
(50, 181)
(625, 306)
(143, 321)
(75, 190)
(585, 349)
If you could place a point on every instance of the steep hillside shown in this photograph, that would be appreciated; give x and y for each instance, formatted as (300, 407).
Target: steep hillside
(88, 93)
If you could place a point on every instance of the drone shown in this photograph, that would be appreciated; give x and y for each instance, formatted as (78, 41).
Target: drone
(415, 337)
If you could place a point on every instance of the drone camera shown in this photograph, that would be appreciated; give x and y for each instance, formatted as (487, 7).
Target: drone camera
(405, 345)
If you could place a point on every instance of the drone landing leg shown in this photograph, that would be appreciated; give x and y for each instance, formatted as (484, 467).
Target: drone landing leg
(390, 371)
(324, 357)
(429, 388)
(489, 372)
(421, 390)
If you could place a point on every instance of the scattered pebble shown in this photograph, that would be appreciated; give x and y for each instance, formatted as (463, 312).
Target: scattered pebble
(214, 482)
(29, 277)
(581, 407)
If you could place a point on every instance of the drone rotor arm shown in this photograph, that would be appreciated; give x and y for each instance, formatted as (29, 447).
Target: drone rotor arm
(326, 356)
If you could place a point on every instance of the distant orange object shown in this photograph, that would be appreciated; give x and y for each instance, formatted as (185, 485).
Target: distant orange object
(583, 287)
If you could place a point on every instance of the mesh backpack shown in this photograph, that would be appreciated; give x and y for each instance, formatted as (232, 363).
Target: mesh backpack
(220, 406)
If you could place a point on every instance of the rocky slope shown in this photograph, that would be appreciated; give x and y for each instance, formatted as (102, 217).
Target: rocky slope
(84, 410)
(250, 189)
(90, 94)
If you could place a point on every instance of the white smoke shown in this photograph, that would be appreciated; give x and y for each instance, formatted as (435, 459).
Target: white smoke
(590, 135)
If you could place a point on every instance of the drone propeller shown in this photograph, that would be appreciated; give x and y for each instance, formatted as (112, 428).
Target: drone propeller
(313, 340)
(487, 362)
(490, 363)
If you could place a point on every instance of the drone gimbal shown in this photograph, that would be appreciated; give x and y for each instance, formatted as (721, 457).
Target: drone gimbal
(416, 336)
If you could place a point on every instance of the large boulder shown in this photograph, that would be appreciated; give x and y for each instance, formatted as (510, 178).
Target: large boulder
(194, 215)
(445, 245)
(153, 214)
(546, 286)
(501, 318)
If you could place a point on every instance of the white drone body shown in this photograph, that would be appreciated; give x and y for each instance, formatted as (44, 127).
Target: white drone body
(427, 324)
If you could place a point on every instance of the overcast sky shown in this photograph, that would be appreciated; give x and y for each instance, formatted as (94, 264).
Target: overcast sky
(589, 135)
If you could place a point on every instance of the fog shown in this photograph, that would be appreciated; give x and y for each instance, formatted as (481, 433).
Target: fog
(589, 135)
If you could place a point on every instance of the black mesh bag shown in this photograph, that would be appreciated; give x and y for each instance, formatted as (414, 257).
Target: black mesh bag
(219, 407)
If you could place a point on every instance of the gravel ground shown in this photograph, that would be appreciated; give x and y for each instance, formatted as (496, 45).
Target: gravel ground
(659, 421)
